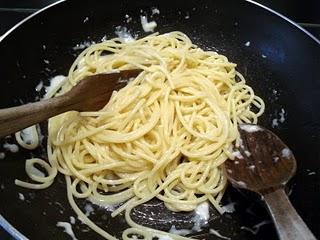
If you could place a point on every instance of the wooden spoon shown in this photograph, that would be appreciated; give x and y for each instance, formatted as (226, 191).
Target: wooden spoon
(90, 94)
(264, 164)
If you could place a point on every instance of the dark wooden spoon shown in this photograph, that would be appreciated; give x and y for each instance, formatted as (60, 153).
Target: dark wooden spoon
(90, 94)
(264, 164)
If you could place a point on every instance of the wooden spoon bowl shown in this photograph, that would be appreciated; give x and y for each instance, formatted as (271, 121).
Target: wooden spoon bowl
(264, 164)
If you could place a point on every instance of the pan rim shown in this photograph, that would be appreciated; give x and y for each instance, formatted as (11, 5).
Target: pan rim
(3, 222)
(11, 229)
(284, 18)
(249, 1)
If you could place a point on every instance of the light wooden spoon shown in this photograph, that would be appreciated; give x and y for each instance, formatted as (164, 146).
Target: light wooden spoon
(264, 164)
(90, 94)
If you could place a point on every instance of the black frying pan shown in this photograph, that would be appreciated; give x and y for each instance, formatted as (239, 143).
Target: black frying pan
(281, 63)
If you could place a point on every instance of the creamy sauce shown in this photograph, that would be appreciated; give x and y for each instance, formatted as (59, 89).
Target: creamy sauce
(255, 229)
(201, 216)
(83, 45)
(55, 83)
(163, 237)
(106, 206)
(215, 232)
(181, 232)
(250, 128)
(67, 229)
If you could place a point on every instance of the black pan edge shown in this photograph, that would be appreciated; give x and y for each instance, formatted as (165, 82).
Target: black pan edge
(4, 223)
(27, 18)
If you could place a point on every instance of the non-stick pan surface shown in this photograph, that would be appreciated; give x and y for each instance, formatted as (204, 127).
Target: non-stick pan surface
(281, 64)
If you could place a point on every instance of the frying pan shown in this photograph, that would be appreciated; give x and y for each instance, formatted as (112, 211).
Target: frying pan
(281, 64)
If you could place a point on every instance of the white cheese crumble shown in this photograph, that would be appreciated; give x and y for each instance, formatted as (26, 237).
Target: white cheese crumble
(247, 153)
(201, 216)
(67, 229)
(21, 196)
(147, 26)
(39, 86)
(83, 45)
(72, 220)
(286, 153)
(252, 167)
(124, 34)
(215, 232)
(237, 154)
(89, 209)
(11, 147)
(155, 11)
(229, 208)
(242, 184)
(85, 20)
(55, 84)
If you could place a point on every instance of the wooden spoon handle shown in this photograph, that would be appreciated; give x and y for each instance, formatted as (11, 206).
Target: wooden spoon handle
(288, 222)
(17, 118)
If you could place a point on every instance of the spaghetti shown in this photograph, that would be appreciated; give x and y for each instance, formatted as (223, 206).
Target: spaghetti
(165, 135)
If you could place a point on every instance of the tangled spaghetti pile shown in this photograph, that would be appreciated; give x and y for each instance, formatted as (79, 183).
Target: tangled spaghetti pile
(165, 135)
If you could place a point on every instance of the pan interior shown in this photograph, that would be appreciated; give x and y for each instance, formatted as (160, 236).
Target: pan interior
(279, 64)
